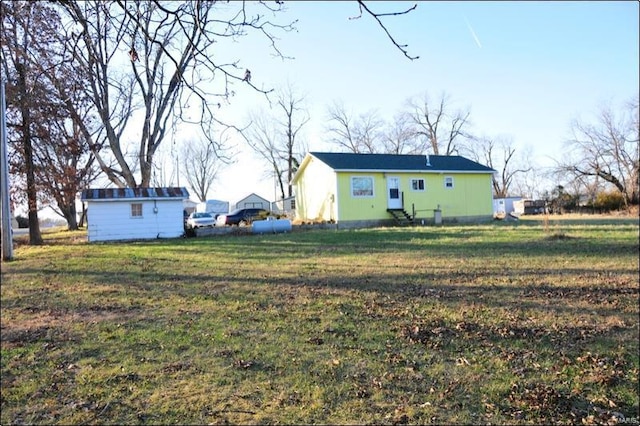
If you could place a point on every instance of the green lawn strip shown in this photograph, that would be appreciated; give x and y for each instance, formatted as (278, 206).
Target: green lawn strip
(500, 323)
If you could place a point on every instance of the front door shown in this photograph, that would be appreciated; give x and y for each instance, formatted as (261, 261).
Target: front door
(393, 193)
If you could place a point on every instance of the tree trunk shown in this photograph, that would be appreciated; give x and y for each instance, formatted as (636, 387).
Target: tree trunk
(145, 173)
(290, 175)
(35, 237)
(70, 216)
(83, 216)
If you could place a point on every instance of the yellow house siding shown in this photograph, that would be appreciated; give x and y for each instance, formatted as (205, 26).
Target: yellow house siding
(316, 192)
(424, 201)
(362, 208)
(326, 193)
(470, 196)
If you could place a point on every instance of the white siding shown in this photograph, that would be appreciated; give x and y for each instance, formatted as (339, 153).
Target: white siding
(111, 220)
(284, 206)
(505, 205)
(253, 201)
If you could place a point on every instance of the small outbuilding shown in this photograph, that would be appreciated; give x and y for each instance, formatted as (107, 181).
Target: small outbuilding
(189, 206)
(284, 205)
(253, 201)
(504, 206)
(134, 213)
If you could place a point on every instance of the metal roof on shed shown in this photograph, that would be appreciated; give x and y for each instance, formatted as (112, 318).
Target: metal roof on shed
(134, 193)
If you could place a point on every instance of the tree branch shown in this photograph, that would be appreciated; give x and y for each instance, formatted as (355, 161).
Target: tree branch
(377, 16)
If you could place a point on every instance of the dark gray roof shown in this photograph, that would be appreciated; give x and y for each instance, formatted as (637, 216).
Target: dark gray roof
(394, 162)
(134, 193)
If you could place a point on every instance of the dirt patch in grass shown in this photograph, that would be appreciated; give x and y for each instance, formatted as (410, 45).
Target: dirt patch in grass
(53, 325)
(559, 236)
(436, 333)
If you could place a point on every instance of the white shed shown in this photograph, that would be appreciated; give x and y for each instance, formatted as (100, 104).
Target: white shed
(504, 206)
(253, 201)
(189, 206)
(134, 213)
(285, 205)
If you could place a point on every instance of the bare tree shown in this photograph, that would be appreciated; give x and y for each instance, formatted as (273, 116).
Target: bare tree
(608, 149)
(400, 138)
(200, 166)
(276, 137)
(295, 116)
(165, 170)
(528, 185)
(156, 61)
(583, 187)
(159, 61)
(262, 137)
(441, 129)
(361, 135)
(500, 155)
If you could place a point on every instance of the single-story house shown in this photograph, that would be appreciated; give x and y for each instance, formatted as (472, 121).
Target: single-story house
(355, 190)
(134, 213)
(253, 201)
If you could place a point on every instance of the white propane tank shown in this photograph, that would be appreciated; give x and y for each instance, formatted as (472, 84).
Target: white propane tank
(271, 225)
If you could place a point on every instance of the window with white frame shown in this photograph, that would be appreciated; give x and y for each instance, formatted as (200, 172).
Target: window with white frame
(417, 184)
(448, 182)
(361, 186)
(136, 210)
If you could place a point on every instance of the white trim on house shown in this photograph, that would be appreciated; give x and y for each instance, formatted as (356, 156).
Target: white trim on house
(428, 171)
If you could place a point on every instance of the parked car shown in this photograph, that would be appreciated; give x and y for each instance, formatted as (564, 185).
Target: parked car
(200, 220)
(241, 217)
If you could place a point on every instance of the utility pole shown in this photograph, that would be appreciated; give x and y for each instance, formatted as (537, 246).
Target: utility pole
(7, 232)
(178, 169)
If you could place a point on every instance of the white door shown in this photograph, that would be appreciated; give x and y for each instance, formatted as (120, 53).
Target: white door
(393, 193)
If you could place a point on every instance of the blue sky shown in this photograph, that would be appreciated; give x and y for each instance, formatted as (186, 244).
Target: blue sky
(525, 70)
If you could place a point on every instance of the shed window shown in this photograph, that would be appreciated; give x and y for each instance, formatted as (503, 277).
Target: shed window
(362, 186)
(448, 182)
(417, 184)
(136, 209)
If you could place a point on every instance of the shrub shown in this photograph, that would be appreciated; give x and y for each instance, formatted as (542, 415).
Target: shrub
(609, 200)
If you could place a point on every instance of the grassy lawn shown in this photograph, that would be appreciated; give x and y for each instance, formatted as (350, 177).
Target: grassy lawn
(506, 323)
